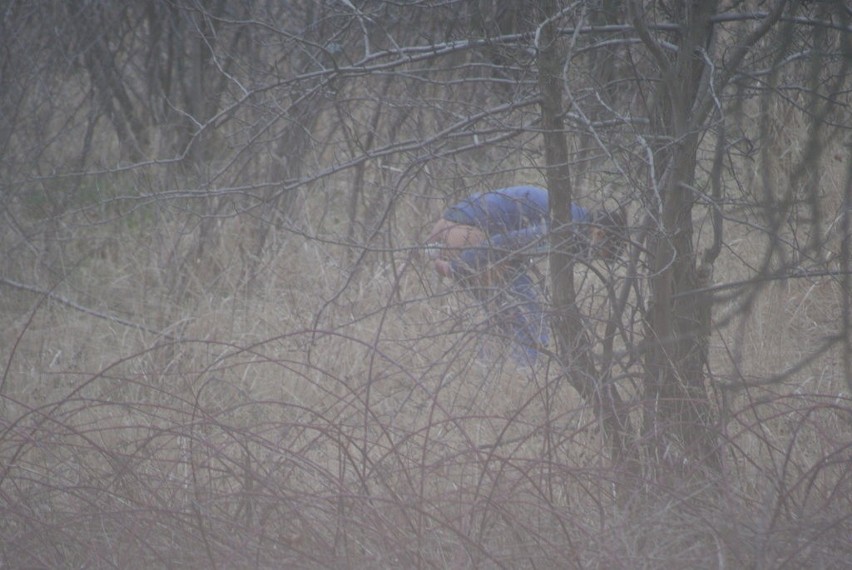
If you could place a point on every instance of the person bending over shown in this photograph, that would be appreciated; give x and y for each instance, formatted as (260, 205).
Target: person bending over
(485, 243)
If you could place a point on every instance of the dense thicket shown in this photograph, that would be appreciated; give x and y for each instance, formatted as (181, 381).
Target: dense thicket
(217, 321)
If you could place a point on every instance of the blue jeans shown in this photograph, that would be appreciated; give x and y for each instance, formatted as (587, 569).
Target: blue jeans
(518, 315)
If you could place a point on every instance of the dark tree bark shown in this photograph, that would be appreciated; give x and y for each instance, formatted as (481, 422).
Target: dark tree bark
(677, 405)
(573, 344)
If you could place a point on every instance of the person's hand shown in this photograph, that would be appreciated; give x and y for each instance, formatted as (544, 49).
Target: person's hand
(443, 267)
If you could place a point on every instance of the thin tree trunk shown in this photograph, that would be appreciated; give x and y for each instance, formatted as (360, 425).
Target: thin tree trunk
(677, 413)
(573, 345)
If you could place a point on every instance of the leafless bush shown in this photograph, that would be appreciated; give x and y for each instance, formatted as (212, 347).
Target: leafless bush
(222, 348)
(201, 466)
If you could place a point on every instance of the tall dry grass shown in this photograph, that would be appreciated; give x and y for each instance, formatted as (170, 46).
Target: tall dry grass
(160, 411)
(169, 402)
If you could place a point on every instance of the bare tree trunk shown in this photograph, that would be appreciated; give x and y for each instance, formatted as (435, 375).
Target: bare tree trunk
(573, 345)
(677, 416)
(677, 407)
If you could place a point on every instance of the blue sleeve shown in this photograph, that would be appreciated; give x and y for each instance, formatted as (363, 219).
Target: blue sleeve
(503, 210)
(579, 214)
(498, 248)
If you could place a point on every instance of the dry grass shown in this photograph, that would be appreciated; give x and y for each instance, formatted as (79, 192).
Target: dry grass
(312, 408)
(322, 420)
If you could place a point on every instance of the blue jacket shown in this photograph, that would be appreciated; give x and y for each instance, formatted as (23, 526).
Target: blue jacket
(507, 210)
(512, 218)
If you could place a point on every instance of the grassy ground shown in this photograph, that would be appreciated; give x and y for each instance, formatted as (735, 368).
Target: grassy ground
(295, 409)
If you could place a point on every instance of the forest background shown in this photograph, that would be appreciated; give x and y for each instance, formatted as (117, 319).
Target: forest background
(222, 347)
